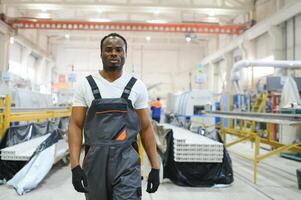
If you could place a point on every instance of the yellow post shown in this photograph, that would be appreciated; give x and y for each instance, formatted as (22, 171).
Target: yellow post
(2, 102)
(255, 161)
(141, 155)
(6, 114)
(140, 150)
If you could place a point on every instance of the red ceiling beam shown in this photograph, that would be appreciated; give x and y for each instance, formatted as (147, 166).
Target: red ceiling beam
(116, 26)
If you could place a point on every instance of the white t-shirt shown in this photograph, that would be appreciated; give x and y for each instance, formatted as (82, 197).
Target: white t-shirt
(83, 93)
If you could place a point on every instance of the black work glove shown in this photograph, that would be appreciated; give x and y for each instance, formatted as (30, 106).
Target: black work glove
(153, 181)
(79, 179)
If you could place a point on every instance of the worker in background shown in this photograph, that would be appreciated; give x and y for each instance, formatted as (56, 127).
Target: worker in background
(111, 107)
(156, 110)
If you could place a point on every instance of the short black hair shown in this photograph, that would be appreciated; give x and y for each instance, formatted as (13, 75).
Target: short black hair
(114, 35)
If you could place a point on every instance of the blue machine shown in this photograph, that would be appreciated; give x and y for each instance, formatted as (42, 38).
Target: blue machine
(217, 108)
(225, 106)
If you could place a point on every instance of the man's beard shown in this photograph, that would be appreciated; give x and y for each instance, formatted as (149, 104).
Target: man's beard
(112, 68)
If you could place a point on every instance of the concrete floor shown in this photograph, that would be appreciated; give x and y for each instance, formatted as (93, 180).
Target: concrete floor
(276, 180)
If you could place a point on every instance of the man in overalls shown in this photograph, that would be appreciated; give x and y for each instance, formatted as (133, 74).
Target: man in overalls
(111, 107)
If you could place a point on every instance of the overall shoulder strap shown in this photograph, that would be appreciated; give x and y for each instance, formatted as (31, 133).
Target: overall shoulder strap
(94, 87)
(128, 88)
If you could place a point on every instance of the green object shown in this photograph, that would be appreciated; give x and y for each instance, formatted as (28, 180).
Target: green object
(291, 155)
(290, 111)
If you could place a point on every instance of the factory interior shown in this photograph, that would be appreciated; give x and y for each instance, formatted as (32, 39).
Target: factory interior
(220, 83)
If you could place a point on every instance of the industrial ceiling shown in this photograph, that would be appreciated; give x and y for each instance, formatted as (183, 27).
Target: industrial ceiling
(139, 15)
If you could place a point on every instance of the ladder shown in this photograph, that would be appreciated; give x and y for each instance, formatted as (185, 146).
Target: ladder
(260, 102)
(258, 107)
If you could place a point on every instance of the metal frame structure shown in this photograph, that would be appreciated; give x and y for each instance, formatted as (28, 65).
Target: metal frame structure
(247, 134)
(119, 26)
(8, 115)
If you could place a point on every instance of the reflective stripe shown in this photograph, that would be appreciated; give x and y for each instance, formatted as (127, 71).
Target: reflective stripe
(111, 111)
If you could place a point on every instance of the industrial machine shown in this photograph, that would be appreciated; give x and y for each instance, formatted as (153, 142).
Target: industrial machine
(188, 108)
(269, 118)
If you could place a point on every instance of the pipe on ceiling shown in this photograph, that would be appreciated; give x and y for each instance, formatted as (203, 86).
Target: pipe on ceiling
(277, 63)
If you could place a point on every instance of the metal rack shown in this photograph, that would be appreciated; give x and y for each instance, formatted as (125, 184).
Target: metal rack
(246, 134)
(9, 114)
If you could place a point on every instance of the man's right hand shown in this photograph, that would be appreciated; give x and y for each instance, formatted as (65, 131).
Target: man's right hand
(79, 179)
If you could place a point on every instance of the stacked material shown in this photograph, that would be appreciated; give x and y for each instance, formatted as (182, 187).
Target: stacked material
(191, 147)
(22, 151)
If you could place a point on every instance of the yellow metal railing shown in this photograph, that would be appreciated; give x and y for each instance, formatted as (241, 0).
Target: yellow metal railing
(258, 107)
(247, 134)
(7, 116)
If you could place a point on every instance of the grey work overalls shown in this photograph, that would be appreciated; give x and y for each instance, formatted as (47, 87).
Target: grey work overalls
(112, 163)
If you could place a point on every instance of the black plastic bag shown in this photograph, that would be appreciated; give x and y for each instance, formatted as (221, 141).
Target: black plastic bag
(195, 174)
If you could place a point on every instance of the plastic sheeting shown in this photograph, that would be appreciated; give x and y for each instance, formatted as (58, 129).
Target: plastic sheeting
(290, 95)
(37, 168)
(196, 174)
(18, 134)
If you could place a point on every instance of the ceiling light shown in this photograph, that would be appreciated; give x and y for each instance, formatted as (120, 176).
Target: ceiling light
(11, 40)
(157, 21)
(156, 12)
(148, 38)
(188, 39)
(44, 9)
(99, 20)
(67, 36)
(211, 14)
(99, 10)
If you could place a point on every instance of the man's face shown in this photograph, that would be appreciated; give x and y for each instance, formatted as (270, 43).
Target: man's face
(113, 54)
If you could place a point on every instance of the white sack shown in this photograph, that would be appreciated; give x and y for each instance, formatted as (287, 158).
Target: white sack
(34, 171)
(290, 94)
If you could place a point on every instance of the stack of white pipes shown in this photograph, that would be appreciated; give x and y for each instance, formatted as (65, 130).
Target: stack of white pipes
(191, 147)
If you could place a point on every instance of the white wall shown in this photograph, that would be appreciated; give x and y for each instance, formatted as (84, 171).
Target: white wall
(167, 65)
(5, 32)
(28, 65)
(36, 37)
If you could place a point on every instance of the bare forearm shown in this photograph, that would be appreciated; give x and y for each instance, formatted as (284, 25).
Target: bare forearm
(149, 144)
(75, 142)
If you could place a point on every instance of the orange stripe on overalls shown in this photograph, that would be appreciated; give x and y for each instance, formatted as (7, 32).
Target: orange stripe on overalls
(122, 136)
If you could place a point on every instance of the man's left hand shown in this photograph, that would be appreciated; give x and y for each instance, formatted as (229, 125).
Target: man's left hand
(153, 181)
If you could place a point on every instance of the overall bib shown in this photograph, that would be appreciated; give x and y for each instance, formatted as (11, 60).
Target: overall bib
(112, 164)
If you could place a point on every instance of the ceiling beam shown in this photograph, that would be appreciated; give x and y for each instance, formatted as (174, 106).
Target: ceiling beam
(140, 8)
(131, 27)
